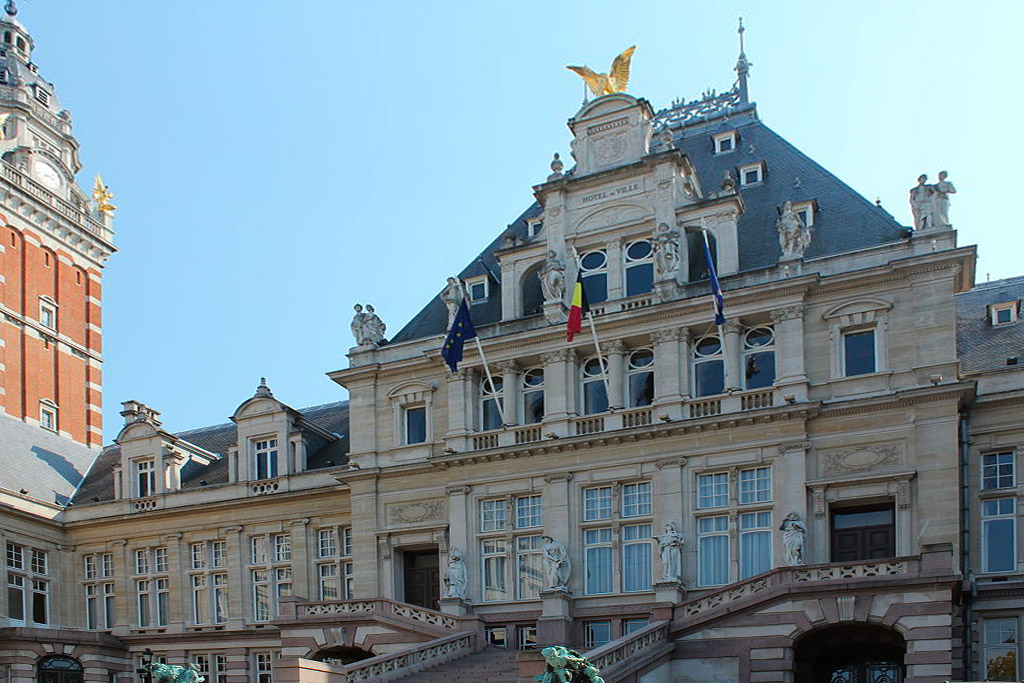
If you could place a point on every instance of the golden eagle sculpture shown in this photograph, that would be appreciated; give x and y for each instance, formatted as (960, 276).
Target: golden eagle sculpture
(606, 84)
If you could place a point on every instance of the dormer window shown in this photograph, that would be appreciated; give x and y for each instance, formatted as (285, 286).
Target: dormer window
(264, 453)
(477, 289)
(534, 227)
(725, 142)
(806, 212)
(752, 174)
(145, 478)
(42, 96)
(1004, 313)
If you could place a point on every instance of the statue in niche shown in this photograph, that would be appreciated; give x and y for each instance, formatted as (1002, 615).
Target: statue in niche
(670, 547)
(452, 297)
(929, 204)
(455, 575)
(367, 327)
(552, 277)
(794, 535)
(794, 236)
(666, 252)
(556, 564)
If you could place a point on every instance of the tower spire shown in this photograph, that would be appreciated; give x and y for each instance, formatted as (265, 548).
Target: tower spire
(742, 67)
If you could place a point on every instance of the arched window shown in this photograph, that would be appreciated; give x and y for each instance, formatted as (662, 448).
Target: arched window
(708, 367)
(59, 669)
(639, 268)
(490, 403)
(532, 294)
(640, 382)
(533, 396)
(594, 391)
(594, 268)
(695, 250)
(759, 358)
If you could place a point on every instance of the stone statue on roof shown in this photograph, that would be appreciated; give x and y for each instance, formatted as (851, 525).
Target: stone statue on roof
(943, 189)
(929, 204)
(552, 277)
(794, 236)
(367, 327)
(452, 297)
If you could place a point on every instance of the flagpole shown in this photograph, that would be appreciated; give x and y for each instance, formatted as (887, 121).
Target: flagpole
(597, 344)
(714, 300)
(499, 400)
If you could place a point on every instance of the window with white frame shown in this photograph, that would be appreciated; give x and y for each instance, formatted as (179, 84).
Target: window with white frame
(212, 667)
(491, 402)
(751, 174)
(529, 567)
(708, 367)
(208, 582)
(493, 515)
(632, 625)
(858, 352)
(99, 591)
(497, 636)
(478, 289)
(494, 560)
(999, 641)
(264, 456)
(594, 273)
(334, 563)
(263, 667)
(48, 313)
(997, 471)
(532, 392)
(806, 211)
(712, 490)
(414, 420)
(998, 535)
(1004, 313)
(534, 227)
(640, 378)
(725, 142)
(597, 503)
(270, 572)
(152, 587)
(526, 636)
(48, 415)
(529, 512)
(759, 358)
(639, 265)
(636, 499)
(593, 386)
(755, 543)
(598, 559)
(858, 331)
(597, 633)
(636, 558)
(145, 478)
(28, 585)
(713, 551)
(755, 485)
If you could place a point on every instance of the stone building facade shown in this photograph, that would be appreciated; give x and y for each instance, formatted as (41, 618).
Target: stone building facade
(823, 487)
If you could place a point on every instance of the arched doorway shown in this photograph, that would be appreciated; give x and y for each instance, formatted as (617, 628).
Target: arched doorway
(858, 653)
(59, 669)
(341, 654)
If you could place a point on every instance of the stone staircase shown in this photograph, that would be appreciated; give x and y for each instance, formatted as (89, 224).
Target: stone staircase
(492, 665)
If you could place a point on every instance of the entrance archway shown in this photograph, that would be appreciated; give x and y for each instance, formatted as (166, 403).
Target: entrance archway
(859, 653)
(341, 654)
(59, 669)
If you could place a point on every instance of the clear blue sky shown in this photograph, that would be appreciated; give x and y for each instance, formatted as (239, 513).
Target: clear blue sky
(276, 162)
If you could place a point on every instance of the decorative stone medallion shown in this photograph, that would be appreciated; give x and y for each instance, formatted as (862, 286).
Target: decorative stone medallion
(416, 512)
(861, 458)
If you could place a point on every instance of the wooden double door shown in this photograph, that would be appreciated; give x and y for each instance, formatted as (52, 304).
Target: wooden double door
(863, 533)
(422, 576)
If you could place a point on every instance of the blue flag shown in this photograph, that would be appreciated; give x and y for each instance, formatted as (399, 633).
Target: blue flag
(462, 330)
(716, 289)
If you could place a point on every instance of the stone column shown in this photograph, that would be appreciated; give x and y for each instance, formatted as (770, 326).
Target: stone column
(616, 283)
(668, 391)
(302, 583)
(510, 391)
(789, 352)
(731, 355)
(460, 536)
(668, 490)
(559, 389)
(123, 593)
(363, 499)
(615, 351)
(791, 466)
(684, 362)
(178, 586)
(459, 386)
(238, 600)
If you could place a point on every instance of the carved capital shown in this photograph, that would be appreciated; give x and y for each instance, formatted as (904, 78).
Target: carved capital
(299, 522)
(560, 355)
(794, 446)
(787, 313)
(561, 476)
(903, 494)
(670, 462)
(120, 542)
(231, 530)
(172, 537)
(731, 327)
(456, 490)
(818, 500)
(463, 374)
(669, 335)
(384, 548)
(615, 346)
(507, 366)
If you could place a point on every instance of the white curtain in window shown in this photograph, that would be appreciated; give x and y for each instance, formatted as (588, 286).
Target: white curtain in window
(599, 570)
(755, 553)
(636, 561)
(713, 565)
(494, 578)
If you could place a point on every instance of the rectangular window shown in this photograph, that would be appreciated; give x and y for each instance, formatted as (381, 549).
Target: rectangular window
(198, 555)
(328, 577)
(282, 586)
(108, 605)
(282, 548)
(756, 485)
(15, 597)
(998, 535)
(477, 290)
(142, 595)
(160, 560)
(107, 564)
(859, 353)
(264, 667)
(636, 499)
(725, 142)
(997, 471)
(218, 553)
(755, 543)
(416, 425)
(712, 551)
(1004, 313)
(751, 175)
(497, 636)
(598, 554)
(163, 598)
(529, 567)
(598, 633)
(527, 636)
(48, 316)
(145, 478)
(90, 566)
(260, 595)
(528, 512)
(40, 601)
(494, 560)
(712, 490)
(327, 543)
(597, 503)
(220, 598)
(258, 550)
(636, 557)
(220, 662)
(200, 599)
(1000, 645)
(38, 561)
(91, 608)
(632, 625)
(48, 417)
(15, 556)
(265, 456)
(347, 571)
(346, 541)
(142, 561)
(492, 515)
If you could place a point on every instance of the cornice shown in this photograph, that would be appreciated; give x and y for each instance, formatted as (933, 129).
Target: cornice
(898, 399)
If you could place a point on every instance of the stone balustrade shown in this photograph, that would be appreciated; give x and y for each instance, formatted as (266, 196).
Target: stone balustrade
(376, 607)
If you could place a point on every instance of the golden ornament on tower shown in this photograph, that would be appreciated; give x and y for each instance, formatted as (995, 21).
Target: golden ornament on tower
(102, 195)
(613, 82)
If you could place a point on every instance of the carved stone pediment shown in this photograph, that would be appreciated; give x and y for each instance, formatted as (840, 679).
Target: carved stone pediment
(848, 460)
(416, 512)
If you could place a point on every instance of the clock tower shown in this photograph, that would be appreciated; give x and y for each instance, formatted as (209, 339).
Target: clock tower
(53, 244)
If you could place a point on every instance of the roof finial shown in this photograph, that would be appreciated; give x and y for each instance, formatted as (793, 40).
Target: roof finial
(11, 8)
(263, 389)
(742, 67)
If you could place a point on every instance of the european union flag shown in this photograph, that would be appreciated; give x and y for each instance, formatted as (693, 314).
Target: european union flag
(716, 289)
(462, 330)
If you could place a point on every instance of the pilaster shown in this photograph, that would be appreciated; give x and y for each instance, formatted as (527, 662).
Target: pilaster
(615, 351)
(731, 355)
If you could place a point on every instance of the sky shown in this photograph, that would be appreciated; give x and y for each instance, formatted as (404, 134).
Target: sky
(275, 163)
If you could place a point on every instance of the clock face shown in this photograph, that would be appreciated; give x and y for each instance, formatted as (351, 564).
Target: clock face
(47, 175)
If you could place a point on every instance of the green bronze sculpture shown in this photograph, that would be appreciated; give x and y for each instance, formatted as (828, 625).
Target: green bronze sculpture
(567, 666)
(172, 673)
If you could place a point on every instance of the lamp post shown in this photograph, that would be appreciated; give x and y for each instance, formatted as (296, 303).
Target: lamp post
(146, 672)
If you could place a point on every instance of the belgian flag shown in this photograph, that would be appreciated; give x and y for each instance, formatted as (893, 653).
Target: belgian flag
(579, 308)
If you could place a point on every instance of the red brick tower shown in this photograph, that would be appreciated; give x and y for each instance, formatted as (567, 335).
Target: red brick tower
(53, 244)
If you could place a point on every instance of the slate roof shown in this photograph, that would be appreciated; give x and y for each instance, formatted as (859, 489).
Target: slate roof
(844, 220)
(49, 467)
(981, 345)
(332, 417)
